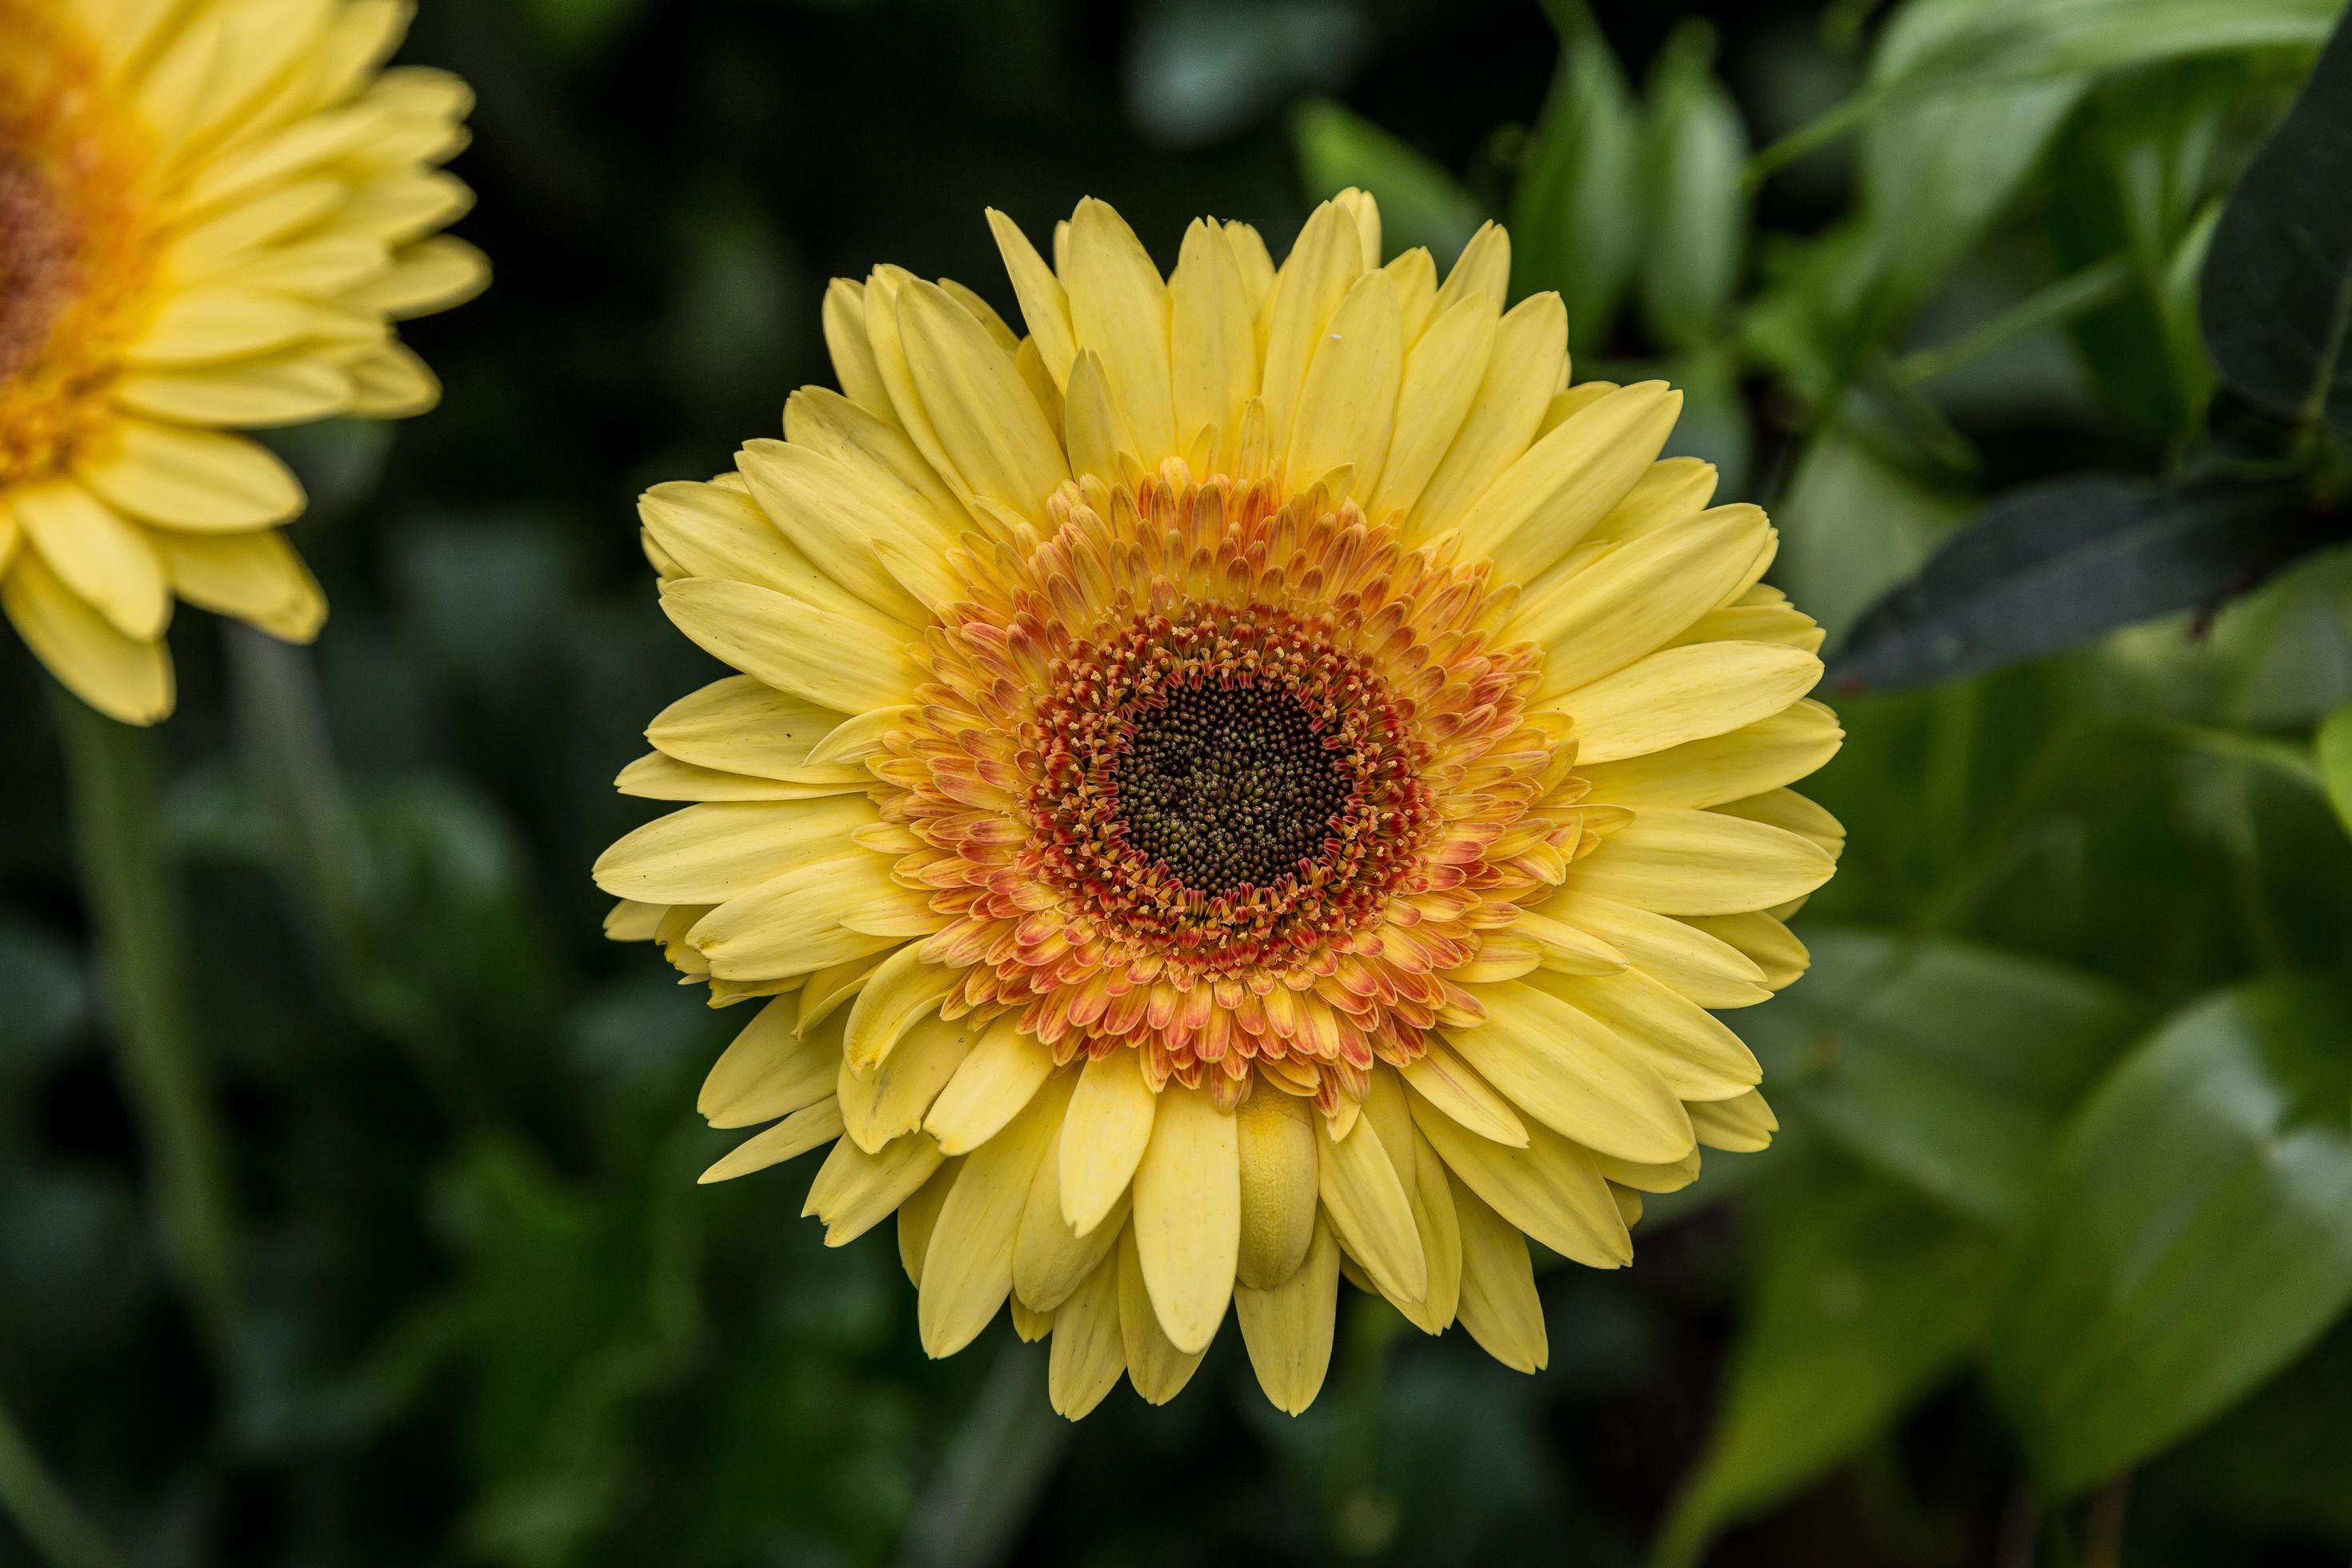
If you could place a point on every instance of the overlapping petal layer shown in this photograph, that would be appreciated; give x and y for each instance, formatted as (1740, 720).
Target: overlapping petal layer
(1256, 782)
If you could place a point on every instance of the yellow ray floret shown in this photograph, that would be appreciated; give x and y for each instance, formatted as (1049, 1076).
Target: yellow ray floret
(211, 212)
(1262, 781)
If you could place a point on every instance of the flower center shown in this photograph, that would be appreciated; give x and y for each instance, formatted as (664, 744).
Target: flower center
(76, 239)
(1229, 787)
(1224, 785)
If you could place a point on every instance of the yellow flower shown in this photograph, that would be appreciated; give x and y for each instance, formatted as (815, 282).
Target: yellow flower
(1258, 781)
(210, 212)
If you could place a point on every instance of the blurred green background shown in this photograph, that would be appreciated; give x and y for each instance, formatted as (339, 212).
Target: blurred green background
(2050, 1263)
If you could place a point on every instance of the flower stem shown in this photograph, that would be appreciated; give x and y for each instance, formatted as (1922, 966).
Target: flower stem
(134, 907)
(281, 729)
(41, 1510)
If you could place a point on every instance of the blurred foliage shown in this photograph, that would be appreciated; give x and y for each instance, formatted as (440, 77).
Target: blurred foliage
(2064, 1191)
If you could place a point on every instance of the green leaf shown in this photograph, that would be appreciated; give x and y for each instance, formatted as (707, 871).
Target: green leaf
(2277, 288)
(1853, 526)
(1420, 204)
(2055, 565)
(1951, 1066)
(2334, 745)
(2195, 1233)
(1981, 43)
(1693, 147)
(1575, 210)
(1865, 1301)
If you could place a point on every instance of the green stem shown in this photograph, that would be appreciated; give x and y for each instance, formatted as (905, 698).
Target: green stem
(134, 906)
(281, 728)
(2059, 302)
(43, 1510)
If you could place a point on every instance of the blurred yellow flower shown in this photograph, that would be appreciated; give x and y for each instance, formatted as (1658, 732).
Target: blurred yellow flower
(1259, 780)
(210, 212)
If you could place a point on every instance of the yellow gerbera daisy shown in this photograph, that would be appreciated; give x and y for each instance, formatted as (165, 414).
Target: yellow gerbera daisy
(210, 211)
(1259, 780)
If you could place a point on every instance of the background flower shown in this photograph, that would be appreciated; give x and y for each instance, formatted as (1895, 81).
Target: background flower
(209, 214)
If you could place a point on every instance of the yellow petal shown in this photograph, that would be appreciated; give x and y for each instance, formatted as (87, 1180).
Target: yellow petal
(968, 1269)
(1543, 505)
(1187, 1217)
(1572, 1073)
(708, 854)
(793, 924)
(1767, 941)
(1045, 305)
(1672, 489)
(1257, 272)
(1003, 1073)
(1091, 423)
(1499, 1304)
(1787, 810)
(1564, 948)
(742, 726)
(981, 411)
(885, 339)
(919, 1216)
(256, 578)
(1089, 1352)
(1677, 862)
(1442, 375)
(890, 1098)
(906, 987)
(122, 677)
(1629, 602)
(1529, 354)
(197, 480)
(656, 776)
(212, 323)
(769, 1070)
(1772, 752)
(1451, 1085)
(1366, 1200)
(828, 658)
(388, 382)
(1434, 1220)
(831, 521)
(290, 389)
(1050, 1260)
(1109, 1126)
(437, 274)
(1119, 308)
(1157, 1368)
(1211, 335)
(824, 990)
(805, 1129)
(876, 457)
(1414, 273)
(1323, 266)
(1689, 1047)
(104, 559)
(1275, 1144)
(855, 1191)
(1712, 973)
(1482, 267)
(1287, 1327)
(1739, 1126)
(1681, 694)
(1550, 1189)
(1347, 405)
(854, 363)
